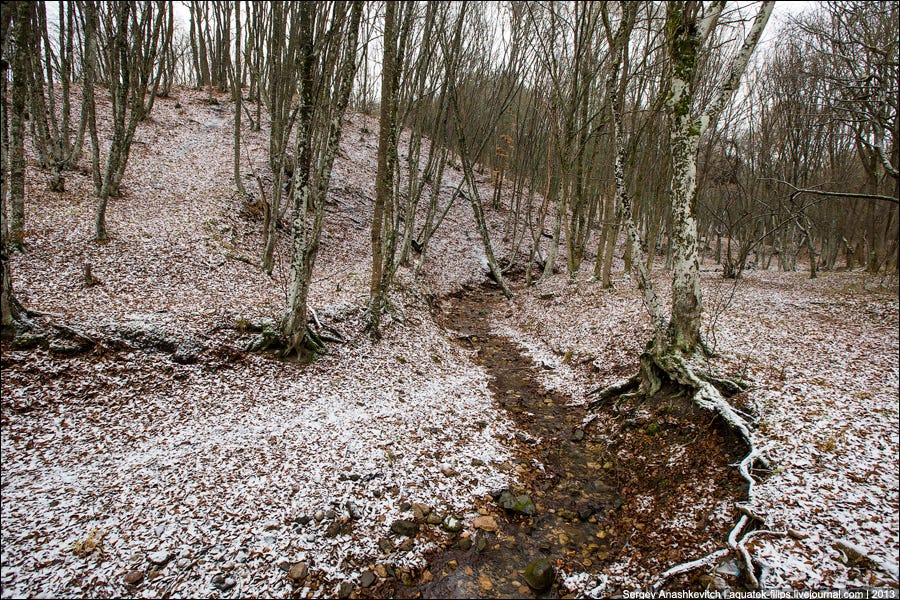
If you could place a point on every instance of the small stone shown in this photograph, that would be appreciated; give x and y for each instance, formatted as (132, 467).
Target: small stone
(367, 579)
(381, 571)
(486, 523)
(352, 510)
(539, 574)
(426, 576)
(333, 530)
(159, 558)
(448, 472)
(451, 524)
(521, 504)
(345, 590)
(464, 544)
(298, 571)
(404, 506)
(480, 544)
(485, 583)
(433, 519)
(319, 515)
(134, 577)
(714, 583)
(221, 582)
(729, 568)
(284, 565)
(406, 545)
(422, 509)
(386, 545)
(330, 514)
(854, 553)
(404, 527)
(452, 564)
(578, 435)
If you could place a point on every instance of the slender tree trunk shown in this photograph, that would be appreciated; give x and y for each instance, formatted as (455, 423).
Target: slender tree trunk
(236, 85)
(20, 64)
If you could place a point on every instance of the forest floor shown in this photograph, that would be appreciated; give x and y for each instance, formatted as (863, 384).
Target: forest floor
(172, 463)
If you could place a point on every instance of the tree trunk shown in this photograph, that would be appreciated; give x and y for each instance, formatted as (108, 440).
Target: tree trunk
(20, 62)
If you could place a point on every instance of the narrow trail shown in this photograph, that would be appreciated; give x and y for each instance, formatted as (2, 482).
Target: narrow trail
(595, 506)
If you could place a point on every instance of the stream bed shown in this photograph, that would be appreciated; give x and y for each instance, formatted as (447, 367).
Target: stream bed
(645, 488)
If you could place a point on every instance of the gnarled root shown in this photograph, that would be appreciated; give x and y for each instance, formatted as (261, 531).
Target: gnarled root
(708, 392)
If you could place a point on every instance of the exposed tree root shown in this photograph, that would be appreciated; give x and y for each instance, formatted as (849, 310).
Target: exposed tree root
(305, 345)
(708, 392)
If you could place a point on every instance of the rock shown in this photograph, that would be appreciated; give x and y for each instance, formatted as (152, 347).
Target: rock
(333, 530)
(404, 506)
(159, 558)
(421, 509)
(578, 435)
(451, 524)
(298, 571)
(221, 582)
(433, 519)
(186, 353)
(485, 583)
(284, 565)
(539, 574)
(381, 571)
(367, 579)
(521, 504)
(486, 523)
(448, 472)
(67, 347)
(352, 510)
(566, 514)
(714, 583)
(386, 545)
(330, 514)
(406, 545)
(134, 577)
(729, 568)
(26, 340)
(464, 544)
(480, 544)
(404, 527)
(345, 590)
(854, 553)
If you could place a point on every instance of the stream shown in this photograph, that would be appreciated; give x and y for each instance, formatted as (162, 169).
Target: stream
(590, 507)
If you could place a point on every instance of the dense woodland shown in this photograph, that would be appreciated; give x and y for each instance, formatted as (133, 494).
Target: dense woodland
(679, 148)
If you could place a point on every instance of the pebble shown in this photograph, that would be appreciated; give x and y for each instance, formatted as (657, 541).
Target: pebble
(345, 590)
(220, 582)
(486, 523)
(134, 577)
(465, 543)
(386, 545)
(298, 571)
(404, 527)
(159, 557)
(367, 579)
(485, 583)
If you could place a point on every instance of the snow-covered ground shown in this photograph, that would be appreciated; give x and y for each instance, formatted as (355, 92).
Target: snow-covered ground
(822, 357)
(216, 467)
